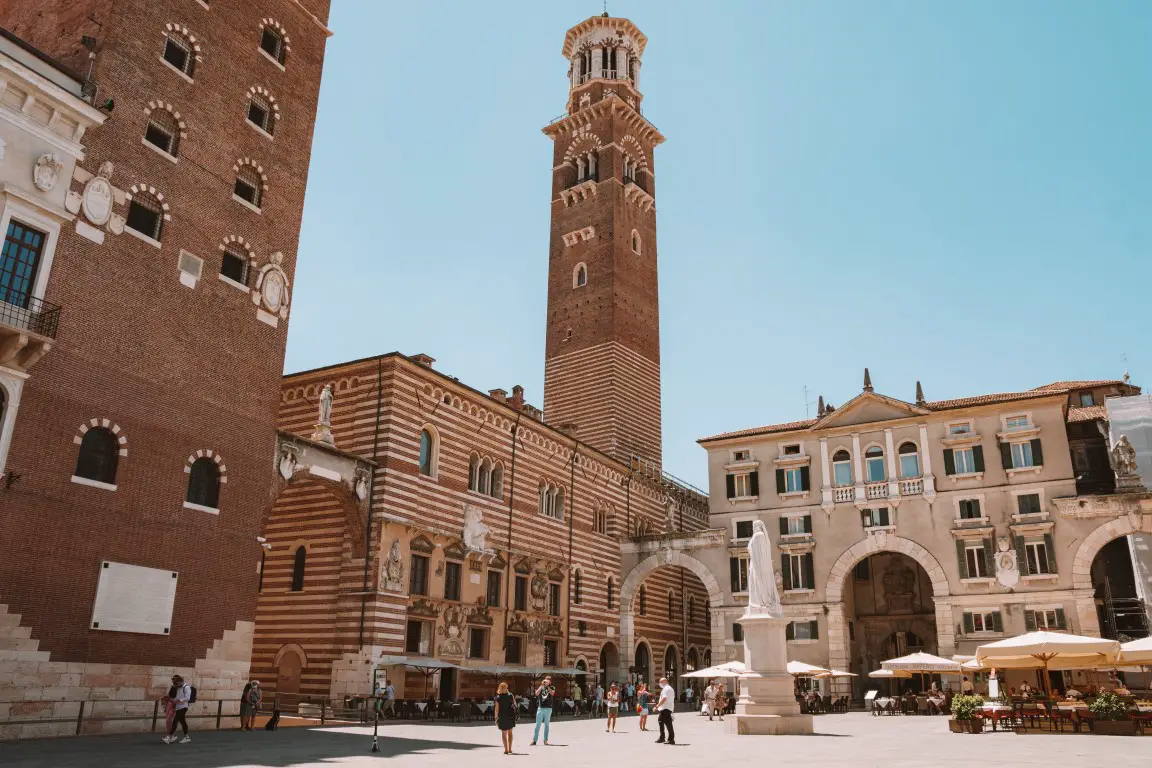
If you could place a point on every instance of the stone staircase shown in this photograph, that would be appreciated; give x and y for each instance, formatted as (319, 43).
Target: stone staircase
(16, 643)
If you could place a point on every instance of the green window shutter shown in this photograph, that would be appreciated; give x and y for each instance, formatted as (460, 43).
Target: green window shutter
(734, 566)
(786, 570)
(789, 632)
(809, 574)
(754, 482)
(783, 526)
(1006, 455)
(997, 622)
(1029, 621)
(807, 523)
(731, 482)
(989, 557)
(805, 479)
(1022, 557)
(1061, 622)
(1050, 550)
(978, 458)
(960, 559)
(781, 487)
(969, 625)
(975, 505)
(814, 630)
(949, 462)
(1037, 453)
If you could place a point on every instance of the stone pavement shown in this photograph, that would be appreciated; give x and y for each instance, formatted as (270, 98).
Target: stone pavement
(843, 740)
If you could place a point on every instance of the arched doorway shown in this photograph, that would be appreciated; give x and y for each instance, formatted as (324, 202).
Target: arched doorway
(582, 679)
(1119, 607)
(643, 664)
(609, 664)
(671, 666)
(289, 667)
(890, 611)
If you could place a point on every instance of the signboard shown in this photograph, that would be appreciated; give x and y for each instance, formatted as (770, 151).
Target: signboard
(131, 598)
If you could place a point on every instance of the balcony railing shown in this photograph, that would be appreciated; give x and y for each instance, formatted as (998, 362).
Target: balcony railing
(844, 494)
(912, 486)
(31, 314)
(876, 490)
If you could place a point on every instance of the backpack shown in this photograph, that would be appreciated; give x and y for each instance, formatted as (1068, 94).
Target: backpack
(192, 696)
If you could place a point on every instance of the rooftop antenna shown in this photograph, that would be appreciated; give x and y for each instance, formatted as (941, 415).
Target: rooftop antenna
(807, 402)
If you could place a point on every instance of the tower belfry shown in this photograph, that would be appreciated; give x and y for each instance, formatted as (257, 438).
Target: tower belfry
(602, 354)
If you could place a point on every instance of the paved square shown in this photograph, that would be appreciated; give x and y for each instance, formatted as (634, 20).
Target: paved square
(844, 740)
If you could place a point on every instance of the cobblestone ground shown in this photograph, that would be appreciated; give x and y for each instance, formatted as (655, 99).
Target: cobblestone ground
(844, 740)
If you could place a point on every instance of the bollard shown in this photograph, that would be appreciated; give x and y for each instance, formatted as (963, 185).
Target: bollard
(80, 718)
(155, 714)
(219, 712)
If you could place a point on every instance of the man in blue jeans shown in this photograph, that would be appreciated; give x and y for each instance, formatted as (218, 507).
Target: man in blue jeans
(544, 695)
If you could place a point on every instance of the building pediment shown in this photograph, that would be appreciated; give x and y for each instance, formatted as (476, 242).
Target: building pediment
(868, 408)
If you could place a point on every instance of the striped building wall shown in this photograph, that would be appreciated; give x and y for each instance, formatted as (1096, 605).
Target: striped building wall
(427, 513)
(658, 628)
(612, 394)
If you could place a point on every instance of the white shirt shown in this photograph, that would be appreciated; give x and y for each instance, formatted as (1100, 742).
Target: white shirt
(667, 698)
(710, 694)
(613, 700)
(967, 686)
(183, 693)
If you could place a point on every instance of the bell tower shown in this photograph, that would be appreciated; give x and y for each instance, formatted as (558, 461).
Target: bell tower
(602, 355)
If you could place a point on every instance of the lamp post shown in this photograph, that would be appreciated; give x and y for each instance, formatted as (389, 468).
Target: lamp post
(375, 713)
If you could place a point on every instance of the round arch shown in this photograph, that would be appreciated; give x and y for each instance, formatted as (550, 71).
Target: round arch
(834, 588)
(630, 586)
(1095, 541)
(609, 658)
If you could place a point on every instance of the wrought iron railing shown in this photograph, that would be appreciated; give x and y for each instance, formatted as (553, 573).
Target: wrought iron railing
(29, 313)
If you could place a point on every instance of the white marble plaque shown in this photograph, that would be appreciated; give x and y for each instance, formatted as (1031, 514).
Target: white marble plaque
(131, 598)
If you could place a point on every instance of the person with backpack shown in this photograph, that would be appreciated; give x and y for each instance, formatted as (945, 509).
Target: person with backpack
(184, 695)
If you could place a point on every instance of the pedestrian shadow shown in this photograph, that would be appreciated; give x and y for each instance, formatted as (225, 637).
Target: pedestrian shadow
(220, 749)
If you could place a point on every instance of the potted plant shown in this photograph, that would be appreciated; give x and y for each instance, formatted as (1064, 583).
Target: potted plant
(1111, 715)
(965, 717)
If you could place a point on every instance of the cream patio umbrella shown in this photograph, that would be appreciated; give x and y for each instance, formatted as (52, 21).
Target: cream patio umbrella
(889, 674)
(1049, 650)
(1137, 652)
(921, 663)
(800, 669)
(836, 674)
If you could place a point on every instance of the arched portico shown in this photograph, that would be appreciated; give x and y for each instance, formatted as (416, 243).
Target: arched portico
(838, 652)
(631, 585)
(1084, 589)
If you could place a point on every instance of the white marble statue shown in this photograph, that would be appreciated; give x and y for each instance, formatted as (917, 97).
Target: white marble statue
(475, 532)
(1123, 457)
(763, 596)
(323, 431)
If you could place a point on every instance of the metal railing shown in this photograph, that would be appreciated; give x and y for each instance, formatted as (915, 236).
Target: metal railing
(29, 313)
(137, 710)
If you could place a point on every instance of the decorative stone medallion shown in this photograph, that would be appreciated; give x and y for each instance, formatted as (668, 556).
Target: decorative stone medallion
(97, 197)
(1007, 569)
(46, 171)
(272, 287)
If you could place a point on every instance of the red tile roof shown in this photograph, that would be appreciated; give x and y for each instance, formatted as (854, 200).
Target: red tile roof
(1057, 386)
(1087, 413)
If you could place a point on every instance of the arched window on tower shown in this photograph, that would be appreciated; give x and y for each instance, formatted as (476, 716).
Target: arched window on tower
(636, 242)
(298, 562)
(99, 454)
(580, 276)
(497, 489)
(427, 452)
(204, 483)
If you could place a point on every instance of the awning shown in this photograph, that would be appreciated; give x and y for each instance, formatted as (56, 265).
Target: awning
(1137, 651)
(416, 662)
(800, 669)
(921, 663)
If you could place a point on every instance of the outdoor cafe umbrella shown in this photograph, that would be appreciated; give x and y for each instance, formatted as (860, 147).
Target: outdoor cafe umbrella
(1049, 650)
(727, 669)
(800, 669)
(423, 665)
(837, 673)
(922, 664)
(889, 674)
(1137, 652)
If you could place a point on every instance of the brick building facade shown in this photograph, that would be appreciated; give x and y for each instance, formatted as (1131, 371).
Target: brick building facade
(375, 551)
(140, 446)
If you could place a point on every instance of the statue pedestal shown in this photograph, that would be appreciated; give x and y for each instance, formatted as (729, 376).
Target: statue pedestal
(1129, 484)
(767, 705)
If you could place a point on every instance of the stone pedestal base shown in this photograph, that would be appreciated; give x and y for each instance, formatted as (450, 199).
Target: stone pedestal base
(767, 703)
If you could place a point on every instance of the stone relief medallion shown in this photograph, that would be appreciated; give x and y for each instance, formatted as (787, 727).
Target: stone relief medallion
(97, 196)
(45, 172)
(455, 622)
(1007, 569)
(272, 287)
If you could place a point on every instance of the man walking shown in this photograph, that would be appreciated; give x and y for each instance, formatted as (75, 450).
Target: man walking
(577, 698)
(665, 706)
(544, 696)
(599, 704)
(389, 700)
(182, 698)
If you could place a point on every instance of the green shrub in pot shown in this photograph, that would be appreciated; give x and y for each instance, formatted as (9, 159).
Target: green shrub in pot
(1109, 706)
(964, 707)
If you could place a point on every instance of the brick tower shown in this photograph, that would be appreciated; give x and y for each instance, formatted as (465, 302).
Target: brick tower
(602, 356)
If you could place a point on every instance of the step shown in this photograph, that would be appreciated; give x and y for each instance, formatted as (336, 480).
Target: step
(18, 644)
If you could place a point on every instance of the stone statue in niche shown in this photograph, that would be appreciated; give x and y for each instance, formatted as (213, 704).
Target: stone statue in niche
(323, 431)
(475, 531)
(1007, 569)
(539, 591)
(763, 596)
(45, 172)
(392, 573)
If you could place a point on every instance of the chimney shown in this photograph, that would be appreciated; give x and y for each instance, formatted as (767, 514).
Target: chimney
(423, 359)
(920, 395)
(517, 399)
(569, 429)
(820, 406)
(498, 394)
(867, 381)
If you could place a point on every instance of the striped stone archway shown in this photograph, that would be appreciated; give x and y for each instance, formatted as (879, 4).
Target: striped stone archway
(834, 597)
(1083, 589)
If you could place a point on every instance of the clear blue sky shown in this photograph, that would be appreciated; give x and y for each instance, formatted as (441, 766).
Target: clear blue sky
(956, 192)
